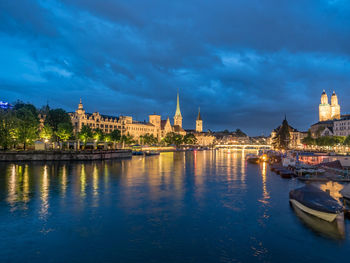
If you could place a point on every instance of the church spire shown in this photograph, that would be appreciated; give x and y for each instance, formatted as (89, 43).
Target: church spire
(199, 118)
(178, 111)
(178, 116)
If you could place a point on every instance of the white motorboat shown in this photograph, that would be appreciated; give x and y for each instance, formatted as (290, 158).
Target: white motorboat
(316, 202)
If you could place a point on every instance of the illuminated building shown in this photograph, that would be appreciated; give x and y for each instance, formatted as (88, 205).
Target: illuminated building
(199, 122)
(155, 126)
(328, 111)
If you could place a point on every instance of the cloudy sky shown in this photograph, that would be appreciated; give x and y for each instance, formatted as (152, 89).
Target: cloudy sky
(244, 63)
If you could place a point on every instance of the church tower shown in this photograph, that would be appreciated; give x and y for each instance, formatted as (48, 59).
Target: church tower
(178, 116)
(199, 122)
(335, 108)
(324, 108)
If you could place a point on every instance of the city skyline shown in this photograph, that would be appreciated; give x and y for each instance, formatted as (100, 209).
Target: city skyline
(271, 60)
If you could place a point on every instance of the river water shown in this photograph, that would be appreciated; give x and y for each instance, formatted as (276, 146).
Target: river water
(205, 206)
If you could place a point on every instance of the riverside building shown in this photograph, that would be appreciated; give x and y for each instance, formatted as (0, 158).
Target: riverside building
(126, 124)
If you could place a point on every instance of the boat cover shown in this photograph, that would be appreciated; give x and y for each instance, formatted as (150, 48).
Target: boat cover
(314, 198)
(346, 191)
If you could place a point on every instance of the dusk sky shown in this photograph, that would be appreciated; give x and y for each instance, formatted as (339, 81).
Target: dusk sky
(244, 63)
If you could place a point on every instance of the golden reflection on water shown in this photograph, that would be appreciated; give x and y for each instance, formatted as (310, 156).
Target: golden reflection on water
(82, 181)
(64, 181)
(266, 195)
(333, 188)
(45, 184)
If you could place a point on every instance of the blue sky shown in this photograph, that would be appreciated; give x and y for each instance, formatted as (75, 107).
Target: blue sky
(246, 63)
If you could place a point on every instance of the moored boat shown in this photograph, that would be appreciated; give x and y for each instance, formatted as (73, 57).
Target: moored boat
(150, 153)
(316, 202)
(253, 158)
(137, 153)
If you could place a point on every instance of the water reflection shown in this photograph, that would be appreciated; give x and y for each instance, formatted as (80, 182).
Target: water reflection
(205, 196)
(45, 183)
(333, 230)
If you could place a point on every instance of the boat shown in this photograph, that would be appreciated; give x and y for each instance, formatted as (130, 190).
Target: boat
(316, 202)
(287, 174)
(151, 153)
(252, 158)
(334, 230)
(288, 161)
(137, 153)
(346, 193)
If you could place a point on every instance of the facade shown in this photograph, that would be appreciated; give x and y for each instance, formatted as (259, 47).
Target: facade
(155, 126)
(295, 136)
(317, 128)
(341, 127)
(328, 111)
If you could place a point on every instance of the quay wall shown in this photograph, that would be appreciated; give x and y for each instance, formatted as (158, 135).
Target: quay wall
(15, 156)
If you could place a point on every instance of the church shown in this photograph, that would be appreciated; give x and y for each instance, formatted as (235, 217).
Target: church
(329, 111)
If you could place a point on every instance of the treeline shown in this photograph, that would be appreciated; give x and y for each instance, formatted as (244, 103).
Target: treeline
(24, 124)
(326, 140)
(21, 126)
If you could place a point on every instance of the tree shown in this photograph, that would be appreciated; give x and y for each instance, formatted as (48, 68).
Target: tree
(127, 139)
(55, 117)
(98, 135)
(115, 135)
(64, 131)
(148, 139)
(8, 129)
(46, 132)
(27, 126)
(347, 141)
(239, 133)
(173, 138)
(282, 138)
(308, 140)
(190, 139)
(85, 134)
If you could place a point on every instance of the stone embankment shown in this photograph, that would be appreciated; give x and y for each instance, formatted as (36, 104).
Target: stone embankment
(87, 155)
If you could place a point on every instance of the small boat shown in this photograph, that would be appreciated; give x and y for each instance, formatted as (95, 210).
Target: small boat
(137, 153)
(252, 158)
(346, 193)
(316, 202)
(151, 153)
(287, 174)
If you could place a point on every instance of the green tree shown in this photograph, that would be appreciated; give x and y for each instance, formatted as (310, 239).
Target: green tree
(308, 140)
(148, 139)
(115, 135)
(127, 139)
(46, 132)
(98, 134)
(347, 141)
(56, 116)
(190, 139)
(8, 129)
(173, 138)
(85, 134)
(64, 131)
(282, 138)
(27, 126)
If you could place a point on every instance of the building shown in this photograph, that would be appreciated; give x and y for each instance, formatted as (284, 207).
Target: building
(126, 124)
(295, 139)
(328, 111)
(317, 128)
(341, 127)
(199, 122)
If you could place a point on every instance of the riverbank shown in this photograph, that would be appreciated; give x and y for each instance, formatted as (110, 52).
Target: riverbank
(86, 155)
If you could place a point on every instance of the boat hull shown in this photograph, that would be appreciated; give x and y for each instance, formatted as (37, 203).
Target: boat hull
(330, 217)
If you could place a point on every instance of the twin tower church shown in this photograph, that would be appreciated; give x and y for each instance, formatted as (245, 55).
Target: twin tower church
(329, 111)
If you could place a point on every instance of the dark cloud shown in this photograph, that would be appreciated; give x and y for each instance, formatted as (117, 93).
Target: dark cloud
(245, 63)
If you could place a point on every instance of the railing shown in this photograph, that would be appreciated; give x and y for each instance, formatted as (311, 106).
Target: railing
(243, 146)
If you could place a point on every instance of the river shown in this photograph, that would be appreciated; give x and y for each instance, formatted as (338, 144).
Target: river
(205, 206)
